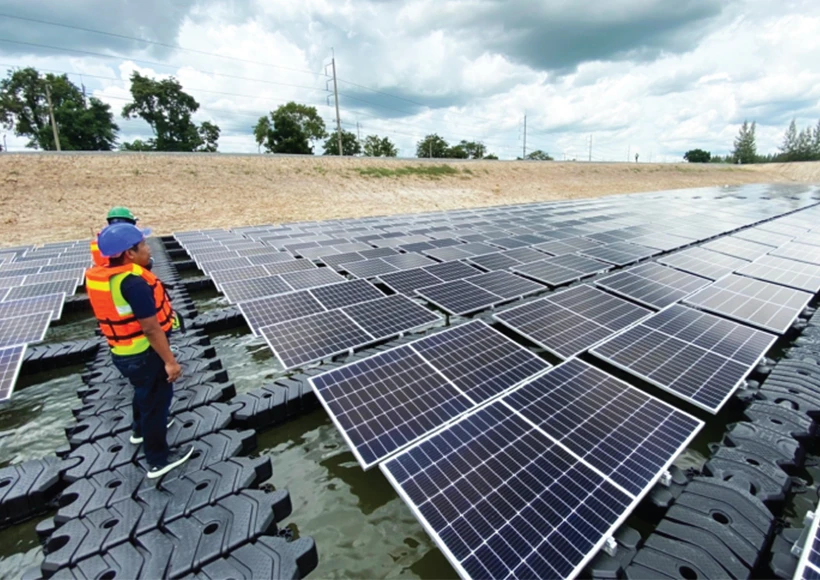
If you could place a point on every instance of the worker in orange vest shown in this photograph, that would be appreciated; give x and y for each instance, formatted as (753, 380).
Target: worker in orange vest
(116, 215)
(135, 315)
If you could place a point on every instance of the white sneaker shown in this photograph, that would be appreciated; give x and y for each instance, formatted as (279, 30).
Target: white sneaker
(175, 459)
(137, 439)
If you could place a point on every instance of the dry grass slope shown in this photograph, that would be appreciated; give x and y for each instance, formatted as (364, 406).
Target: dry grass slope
(59, 197)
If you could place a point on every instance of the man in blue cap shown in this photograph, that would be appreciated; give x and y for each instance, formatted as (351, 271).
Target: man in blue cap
(135, 316)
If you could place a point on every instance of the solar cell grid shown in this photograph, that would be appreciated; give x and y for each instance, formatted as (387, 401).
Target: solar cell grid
(408, 281)
(273, 309)
(492, 262)
(24, 329)
(783, 271)
(566, 246)
(285, 266)
(508, 243)
(477, 248)
(663, 242)
(448, 254)
(505, 284)
(312, 278)
(66, 287)
(368, 268)
(345, 293)
(14, 269)
(12, 281)
(705, 263)
(524, 255)
(449, 271)
(762, 304)
(390, 316)
(737, 247)
(572, 321)
(11, 359)
(235, 274)
(800, 252)
(209, 267)
(243, 290)
(407, 261)
(621, 253)
(653, 285)
(694, 355)
(459, 297)
(760, 236)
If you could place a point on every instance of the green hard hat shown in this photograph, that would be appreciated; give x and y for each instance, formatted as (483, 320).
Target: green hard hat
(121, 213)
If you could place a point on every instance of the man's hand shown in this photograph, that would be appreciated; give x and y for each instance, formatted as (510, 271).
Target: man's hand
(174, 371)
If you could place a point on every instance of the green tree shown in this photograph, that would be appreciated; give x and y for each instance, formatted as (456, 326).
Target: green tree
(350, 144)
(538, 155)
(432, 146)
(457, 152)
(815, 142)
(474, 149)
(168, 109)
(491, 156)
(745, 150)
(290, 129)
(697, 156)
(379, 147)
(137, 145)
(789, 147)
(83, 124)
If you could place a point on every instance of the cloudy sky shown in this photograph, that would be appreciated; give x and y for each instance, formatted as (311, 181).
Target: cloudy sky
(656, 77)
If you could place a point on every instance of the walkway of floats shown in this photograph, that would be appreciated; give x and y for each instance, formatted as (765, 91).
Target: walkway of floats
(216, 518)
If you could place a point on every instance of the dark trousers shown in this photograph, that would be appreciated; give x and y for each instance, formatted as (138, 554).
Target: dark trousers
(152, 401)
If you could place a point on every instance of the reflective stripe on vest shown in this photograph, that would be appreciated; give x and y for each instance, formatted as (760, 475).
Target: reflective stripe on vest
(116, 318)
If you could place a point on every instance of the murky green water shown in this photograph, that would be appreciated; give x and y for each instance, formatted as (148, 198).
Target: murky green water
(362, 529)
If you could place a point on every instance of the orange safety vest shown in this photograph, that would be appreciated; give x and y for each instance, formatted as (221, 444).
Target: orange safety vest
(96, 255)
(117, 322)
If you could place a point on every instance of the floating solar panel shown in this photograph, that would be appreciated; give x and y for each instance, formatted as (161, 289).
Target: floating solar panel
(312, 278)
(273, 309)
(459, 297)
(561, 269)
(621, 253)
(75, 275)
(570, 322)
(12, 281)
(388, 400)
(566, 246)
(524, 255)
(390, 316)
(800, 252)
(377, 253)
(653, 285)
(345, 293)
(449, 271)
(52, 303)
(508, 243)
(493, 262)
(219, 277)
(785, 272)
(271, 257)
(209, 267)
(417, 247)
(66, 287)
(808, 566)
(286, 266)
(24, 329)
(505, 284)
(759, 236)
(477, 248)
(663, 242)
(368, 268)
(243, 290)
(407, 261)
(11, 359)
(504, 500)
(705, 263)
(318, 253)
(312, 338)
(446, 242)
(762, 304)
(696, 356)
(611, 237)
(408, 281)
(14, 270)
(732, 246)
(448, 254)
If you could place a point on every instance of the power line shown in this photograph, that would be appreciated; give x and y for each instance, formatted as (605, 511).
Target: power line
(174, 46)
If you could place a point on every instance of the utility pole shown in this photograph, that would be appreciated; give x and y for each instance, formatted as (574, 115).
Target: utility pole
(590, 147)
(628, 153)
(336, 95)
(524, 153)
(53, 122)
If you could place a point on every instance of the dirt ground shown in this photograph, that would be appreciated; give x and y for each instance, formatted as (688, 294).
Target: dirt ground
(48, 198)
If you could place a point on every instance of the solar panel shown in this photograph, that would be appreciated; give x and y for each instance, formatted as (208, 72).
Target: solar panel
(785, 272)
(459, 297)
(569, 322)
(448, 254)
(314, 337)
(504, 500)
(272, 309)
(24, 329)
(75, 275)
(738, 248)
(762, 304)
(312, 278)
(14, 270)
(808, 566)
(407, 261)
(408, 281)
(219, 277)
(66, 287)
(209, 267)
(243, 290)
(492, 262)
(52, 303)
(388, 400)
(663, 242)
(759, 236)
(560, 269)
(449, 271)
(705, 263)
(378, 253)
(653, 285)
(286, 266)
(368, 268)
(524, 255)
(800, 252)
(12, 281)
(505, 284)
(11, 359)
(696, 356)
(417, 247)
(390, 316)
(477, 248)
(345, 293)
(272, 257)
(508, 243)
(621, 253)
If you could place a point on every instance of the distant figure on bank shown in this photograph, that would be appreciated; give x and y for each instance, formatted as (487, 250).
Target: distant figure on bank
(636, 157)
(116, 215)
(136, 318)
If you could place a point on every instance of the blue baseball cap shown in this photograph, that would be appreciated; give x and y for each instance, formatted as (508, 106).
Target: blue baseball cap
(114, 239)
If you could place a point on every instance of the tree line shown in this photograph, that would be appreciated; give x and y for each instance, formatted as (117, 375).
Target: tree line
(797, 145)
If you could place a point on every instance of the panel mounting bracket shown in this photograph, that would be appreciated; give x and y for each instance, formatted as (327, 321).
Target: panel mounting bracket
(800, 544)
(611, 546)
(666, 478)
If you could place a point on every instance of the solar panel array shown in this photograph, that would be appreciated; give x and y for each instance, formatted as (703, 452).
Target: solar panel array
(387, 401)
(808, 566)
(11, 359)
(652, 284)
